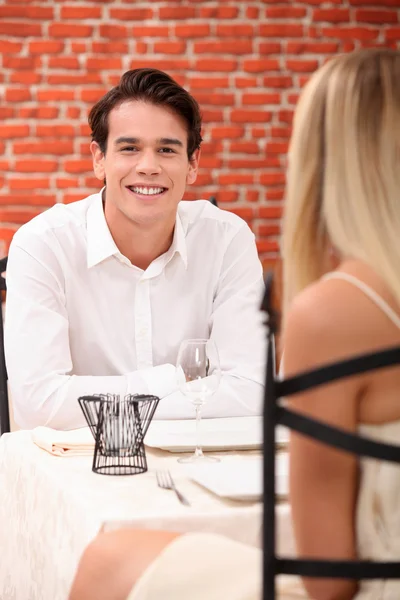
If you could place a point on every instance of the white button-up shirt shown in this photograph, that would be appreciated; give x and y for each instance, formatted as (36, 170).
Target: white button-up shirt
(81, 319)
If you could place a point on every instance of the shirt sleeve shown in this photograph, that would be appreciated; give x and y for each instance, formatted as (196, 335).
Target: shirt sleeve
(236, 326)
(43, 388)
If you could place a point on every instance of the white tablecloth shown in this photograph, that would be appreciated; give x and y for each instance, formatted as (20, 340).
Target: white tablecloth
(52, 507)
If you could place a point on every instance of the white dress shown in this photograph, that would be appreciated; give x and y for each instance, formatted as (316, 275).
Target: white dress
(201, 566)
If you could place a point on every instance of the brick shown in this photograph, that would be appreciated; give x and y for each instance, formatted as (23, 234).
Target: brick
(252, 12)
(56, 147)
(250, 116)
(270, 48)
(350, 33)
(28, 184)
(244, 212)
(267, 230)
(252, 195)
(140, 47)
(78, 166)
(244, 148)
(63, 183)
(212, 116)
(8, 47)
(278, 81)
(204, 178)
(176, 12)
(253, 163)
(38, 112)
(246, 82)
(17, 29)
(17, 216)
(277, 147)
(275, 194)
(160, 63)
(74, 79)
(151, 31)
(235, 31)
(25, 77)
(80, 12)
(84, 129)
(312, 47)
(170, 47)
(331, 15)
(70, 30)
(79, 47)
(270, 212)
(18, 94)
(215, 99)
(64, 62)
(285, 12)
(286, 116)
(55, 130)
(301, 66)
(235, 178)
(27, 12)
(293, 99)
(227, 196)
(392, 34)
(258, 132)
(280, 132)
(36, 166)
(73, 112)
(260, 66)
(131, 14)
(56, 95)
(13, 131)
(192, 31)
(27, 199)
(219, 12)
(92, 182)
(225, 47)
(381, 3)
(97, 63)
(92, 95)
(211, 162)
(46, 47)
(253, 99)
(115, 32)
(220, 64)
(21, 62)
(208, 83)
(221, 133)
(6, 112)
(281, 30)
(68, 198)
(110, 47)
(376, 16)
(272, 178)
(267, 246)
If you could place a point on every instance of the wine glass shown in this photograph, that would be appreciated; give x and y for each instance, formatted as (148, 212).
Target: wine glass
(199, 374)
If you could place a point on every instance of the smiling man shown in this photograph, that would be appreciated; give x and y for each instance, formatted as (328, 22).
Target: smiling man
(101, 292)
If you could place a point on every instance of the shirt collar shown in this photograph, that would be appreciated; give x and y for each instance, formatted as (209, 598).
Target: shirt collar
(100, 244)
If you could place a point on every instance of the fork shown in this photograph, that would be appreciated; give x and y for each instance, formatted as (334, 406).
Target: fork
(165, 481)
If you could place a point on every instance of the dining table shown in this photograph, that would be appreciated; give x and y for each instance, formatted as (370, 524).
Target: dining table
(52, 507)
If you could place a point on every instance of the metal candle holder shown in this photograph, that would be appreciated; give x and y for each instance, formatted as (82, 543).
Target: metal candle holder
(118, 427)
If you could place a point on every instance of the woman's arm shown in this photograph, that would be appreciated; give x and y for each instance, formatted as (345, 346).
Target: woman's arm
(323, 481)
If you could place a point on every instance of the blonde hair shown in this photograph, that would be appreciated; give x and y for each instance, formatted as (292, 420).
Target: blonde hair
(344, 170)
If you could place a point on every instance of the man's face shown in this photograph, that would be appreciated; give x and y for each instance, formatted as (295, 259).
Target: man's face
(146, 164)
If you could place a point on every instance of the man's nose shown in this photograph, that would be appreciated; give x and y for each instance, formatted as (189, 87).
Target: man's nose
(148, 163)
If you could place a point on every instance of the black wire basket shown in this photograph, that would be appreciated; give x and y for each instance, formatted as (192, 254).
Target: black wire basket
(118, 427)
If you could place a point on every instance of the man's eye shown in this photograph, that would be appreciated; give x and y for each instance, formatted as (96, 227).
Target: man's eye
(167, 151)
(128, 148)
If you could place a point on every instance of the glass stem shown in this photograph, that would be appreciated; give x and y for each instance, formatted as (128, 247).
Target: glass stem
(198, 452)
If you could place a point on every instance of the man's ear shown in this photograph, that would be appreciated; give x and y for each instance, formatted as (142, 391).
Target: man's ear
(193, 167)
(98, 161)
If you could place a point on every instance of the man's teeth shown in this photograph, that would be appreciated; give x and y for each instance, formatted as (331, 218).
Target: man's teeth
(147, 191)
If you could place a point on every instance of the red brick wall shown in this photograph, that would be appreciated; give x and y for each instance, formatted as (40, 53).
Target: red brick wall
(245, 61)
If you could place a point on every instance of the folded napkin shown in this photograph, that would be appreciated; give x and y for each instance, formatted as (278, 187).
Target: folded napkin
(76, 442)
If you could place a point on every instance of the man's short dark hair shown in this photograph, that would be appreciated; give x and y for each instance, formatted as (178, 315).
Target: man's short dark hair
(149, 85)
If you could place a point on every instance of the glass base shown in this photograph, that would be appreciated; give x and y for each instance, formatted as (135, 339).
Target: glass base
(198, 459)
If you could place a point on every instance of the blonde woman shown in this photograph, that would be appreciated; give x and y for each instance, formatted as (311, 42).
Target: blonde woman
(341, 298)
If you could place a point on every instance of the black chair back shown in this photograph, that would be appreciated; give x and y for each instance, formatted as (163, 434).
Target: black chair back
(275, 414)
(4, 410)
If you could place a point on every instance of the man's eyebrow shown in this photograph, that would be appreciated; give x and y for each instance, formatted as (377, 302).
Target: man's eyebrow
(170, 142)
(126, 140)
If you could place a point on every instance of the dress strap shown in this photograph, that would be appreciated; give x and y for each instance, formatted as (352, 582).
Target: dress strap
(368, 291)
